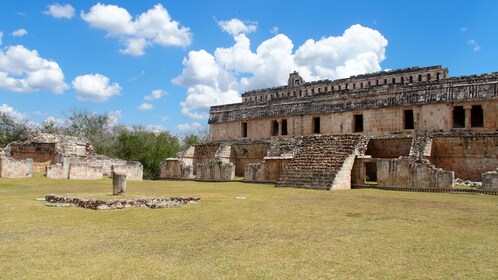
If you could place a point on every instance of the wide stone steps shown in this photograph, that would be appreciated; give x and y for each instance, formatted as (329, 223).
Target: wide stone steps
(317, 162)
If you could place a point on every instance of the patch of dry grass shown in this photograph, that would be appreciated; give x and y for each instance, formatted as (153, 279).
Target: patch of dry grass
(274, 233)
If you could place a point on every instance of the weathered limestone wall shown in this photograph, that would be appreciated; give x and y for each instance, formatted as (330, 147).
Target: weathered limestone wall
(204, 153)
(432, 117)
(468, 157)
(358, 172)
(82, 171)
(175, 168)
(381, 105)
(266, 171)
(58, 170)
(243, 154)
(212, 171)
(389, 148)
(401, 173)
(490, 181)
(12, 168)
(42, 154)
(133, 170)
(342, 179)
(255, 172)
(274, 167)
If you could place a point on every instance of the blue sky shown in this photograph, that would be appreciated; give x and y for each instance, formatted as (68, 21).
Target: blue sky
(163, 63)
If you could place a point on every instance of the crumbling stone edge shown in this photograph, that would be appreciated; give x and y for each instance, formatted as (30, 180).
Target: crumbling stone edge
(112, 204)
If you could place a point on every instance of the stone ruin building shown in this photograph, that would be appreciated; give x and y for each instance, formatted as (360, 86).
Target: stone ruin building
(414, 129)
(62, 157)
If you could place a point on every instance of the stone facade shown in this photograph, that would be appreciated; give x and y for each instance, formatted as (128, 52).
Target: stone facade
(372, 104)
(412, 128)
(402, 173)
(63, 157)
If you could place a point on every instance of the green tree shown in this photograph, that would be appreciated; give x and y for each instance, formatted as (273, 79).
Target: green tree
(12, 130)
(150, 148)
(97, 128)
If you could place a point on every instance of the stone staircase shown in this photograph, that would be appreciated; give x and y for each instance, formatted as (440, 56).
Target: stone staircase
(322, 162)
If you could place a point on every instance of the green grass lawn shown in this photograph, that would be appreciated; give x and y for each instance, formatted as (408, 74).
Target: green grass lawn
(274, 233)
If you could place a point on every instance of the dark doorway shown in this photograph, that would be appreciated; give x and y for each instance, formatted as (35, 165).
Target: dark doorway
(458, 117)
(371, 172)
(358, 123)
(476, 116)
(284, 127)
(409, 123)
(316, 125)
(275, 128)
(244, 129)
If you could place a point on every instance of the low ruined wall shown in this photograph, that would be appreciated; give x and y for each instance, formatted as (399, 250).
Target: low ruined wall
(490, 181)
(59, 170)
(402, 173)
(82, 171)
(12, 168)
(133, 169)
(215, 171)
(174, 168)
(255, 172)
(468, 157)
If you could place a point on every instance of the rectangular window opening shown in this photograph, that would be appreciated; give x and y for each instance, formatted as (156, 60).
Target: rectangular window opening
(275, 128)
(409, 124)
(476, 116)
(244, 129)
(358, 123)
(284, 127)
(316, 125)
(458, 117)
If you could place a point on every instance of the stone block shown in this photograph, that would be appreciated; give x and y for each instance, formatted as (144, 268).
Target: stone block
(133, 169)
(490, 181)
(12, 168)
(82, 171)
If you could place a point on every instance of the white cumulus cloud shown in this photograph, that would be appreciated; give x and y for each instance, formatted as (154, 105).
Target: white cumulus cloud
(23, 70)
(13, 113)
(219, 78)
(155, 94)
(60, 11)
(20, 32)
(235, 26)
(95, 88)
(154, 27)
(145, 106)
(189, 127)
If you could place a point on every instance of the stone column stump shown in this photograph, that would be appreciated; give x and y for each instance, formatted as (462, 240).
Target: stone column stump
(118, 183)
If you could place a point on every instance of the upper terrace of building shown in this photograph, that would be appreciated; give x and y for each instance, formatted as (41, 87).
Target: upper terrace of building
(297, 87)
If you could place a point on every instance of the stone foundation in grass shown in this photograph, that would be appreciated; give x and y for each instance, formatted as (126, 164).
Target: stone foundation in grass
(111, 204)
